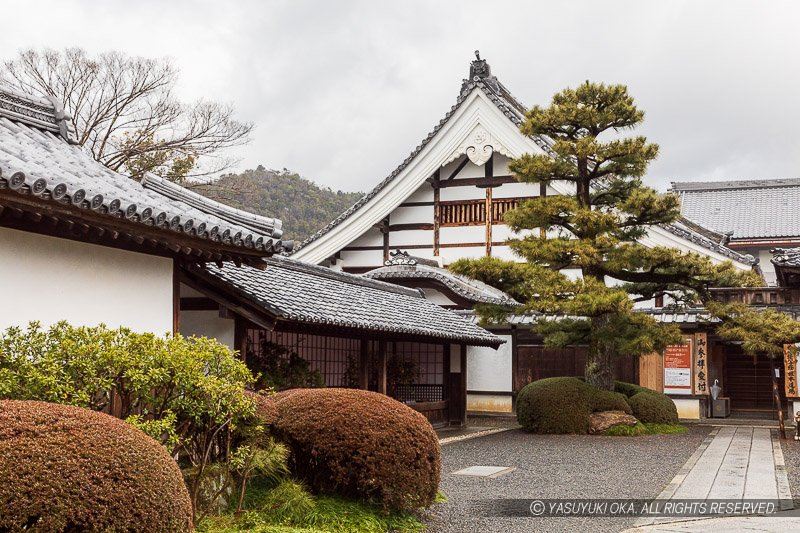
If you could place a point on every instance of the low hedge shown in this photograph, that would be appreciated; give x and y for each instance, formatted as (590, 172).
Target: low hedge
(649, 406)
(65, 468)
(563, 405)
(359, 444)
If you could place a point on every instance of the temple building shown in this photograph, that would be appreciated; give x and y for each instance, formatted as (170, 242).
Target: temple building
(446, 201)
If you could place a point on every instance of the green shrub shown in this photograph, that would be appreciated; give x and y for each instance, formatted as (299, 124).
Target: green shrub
(64, 468)
(361, 445)
(606, 400)
(653, 407)
(555, 405)
(628, 389)
(188, 393)
(563, 405)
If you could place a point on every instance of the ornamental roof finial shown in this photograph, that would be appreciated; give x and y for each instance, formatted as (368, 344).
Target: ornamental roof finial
(479, 68)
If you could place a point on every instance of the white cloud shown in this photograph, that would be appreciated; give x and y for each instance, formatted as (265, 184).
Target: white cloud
(342, 91)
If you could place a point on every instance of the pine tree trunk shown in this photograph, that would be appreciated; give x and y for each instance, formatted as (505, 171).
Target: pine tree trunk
(599, 362)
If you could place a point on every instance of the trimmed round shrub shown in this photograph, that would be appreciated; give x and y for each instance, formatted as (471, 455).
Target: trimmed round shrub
(563, 405)
(653, 407)
(65, 468)
(361, 445)
(629, 389)
(555, 405)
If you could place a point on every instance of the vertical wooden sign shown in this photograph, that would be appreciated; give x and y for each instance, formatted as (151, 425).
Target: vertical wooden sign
(700, 363)
(790, 366)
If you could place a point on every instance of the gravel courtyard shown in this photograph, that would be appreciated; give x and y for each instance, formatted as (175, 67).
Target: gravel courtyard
(557, 466)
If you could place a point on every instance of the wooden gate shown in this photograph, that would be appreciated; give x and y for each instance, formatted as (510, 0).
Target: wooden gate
(536, 361)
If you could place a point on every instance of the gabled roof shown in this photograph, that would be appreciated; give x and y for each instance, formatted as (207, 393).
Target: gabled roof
(402, 266)
(39, 161)
(746, 209)
(294, 291)
(482, 80)
(688, 230)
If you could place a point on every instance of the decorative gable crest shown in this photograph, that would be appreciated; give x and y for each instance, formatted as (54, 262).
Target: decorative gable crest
(479, 146)
(400, 258)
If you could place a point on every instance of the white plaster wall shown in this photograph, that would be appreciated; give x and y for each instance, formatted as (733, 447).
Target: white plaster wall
(412, 215)
(505, 253)
(688, 409)
(462, 234)
(362, 258)
(765, 262)
(452, 254)
(400, 238)
(372, 237)
(489, 369)
(515, 190)
(461, 193)
(490, 403)
(50, 279)
(423, 194)
(208, 324)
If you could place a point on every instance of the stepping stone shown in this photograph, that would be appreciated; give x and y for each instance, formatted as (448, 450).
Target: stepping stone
(484, 471)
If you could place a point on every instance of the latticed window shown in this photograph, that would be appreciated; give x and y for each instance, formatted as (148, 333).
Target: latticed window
(473, 212)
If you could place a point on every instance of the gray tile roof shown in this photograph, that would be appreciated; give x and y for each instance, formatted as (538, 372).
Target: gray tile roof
(665, 315)
(748, 209)
(690, 231)
(405, 267)
(789, 257)
(37, 158)
(515, 111)
(295, 291)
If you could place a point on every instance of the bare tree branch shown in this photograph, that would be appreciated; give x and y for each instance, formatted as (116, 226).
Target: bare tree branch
(125, 115)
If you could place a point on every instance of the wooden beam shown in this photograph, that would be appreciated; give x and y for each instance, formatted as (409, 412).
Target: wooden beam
(495, 181)
(459, 168)
(382, 367)
(198, 303)
(418, 225)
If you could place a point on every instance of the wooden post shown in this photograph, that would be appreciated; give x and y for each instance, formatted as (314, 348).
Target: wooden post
(240, 336)
(176, 297)
(437, 213)
(463, 386)
(385, 231)
(776, 397)
(363, 369)
(382, 359)
(488, 221)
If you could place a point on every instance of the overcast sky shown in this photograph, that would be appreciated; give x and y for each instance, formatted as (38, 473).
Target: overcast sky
(341, 91)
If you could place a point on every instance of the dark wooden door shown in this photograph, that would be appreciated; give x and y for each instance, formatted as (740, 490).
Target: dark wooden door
(748, 381)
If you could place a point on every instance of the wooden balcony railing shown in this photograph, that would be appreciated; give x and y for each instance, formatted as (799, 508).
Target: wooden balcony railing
(758, 295)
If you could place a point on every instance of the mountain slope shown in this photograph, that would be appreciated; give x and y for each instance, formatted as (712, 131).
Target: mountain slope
(303, 206)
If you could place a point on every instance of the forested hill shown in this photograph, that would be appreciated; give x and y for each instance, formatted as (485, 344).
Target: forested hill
(302, 205)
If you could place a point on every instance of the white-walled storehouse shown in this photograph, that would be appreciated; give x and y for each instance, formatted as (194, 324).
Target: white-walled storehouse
(446, 201)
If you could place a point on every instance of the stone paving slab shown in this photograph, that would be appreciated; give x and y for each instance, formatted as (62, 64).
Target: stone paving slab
(768, 524)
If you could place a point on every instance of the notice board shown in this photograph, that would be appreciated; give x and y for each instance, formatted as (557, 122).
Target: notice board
(678, 368)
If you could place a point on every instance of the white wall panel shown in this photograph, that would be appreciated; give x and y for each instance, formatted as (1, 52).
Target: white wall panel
(423, 194)
(412, 215)
(50, 279)
(373, 237)
(505, 253)
(462, 234)
(450, 255)
(410, 236)
(437, 297)
(208, 324)
(462, 193)
(361, 258)
(515, 190)
(488, 369)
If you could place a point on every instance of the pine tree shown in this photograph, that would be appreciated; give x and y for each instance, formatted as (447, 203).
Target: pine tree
(596, 231)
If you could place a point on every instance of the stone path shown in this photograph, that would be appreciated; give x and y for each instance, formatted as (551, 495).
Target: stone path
(733, 463)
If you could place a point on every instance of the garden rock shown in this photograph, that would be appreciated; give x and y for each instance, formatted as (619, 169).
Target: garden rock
(604, 420)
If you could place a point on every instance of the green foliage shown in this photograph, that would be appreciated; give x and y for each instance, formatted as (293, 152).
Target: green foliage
(279, 368)
(289, 507)
(629, 389)
(596, 231)
(187, 393)
(303, 206)
(761, 332)
(645, 429)
(653, 407)
(563, 405)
